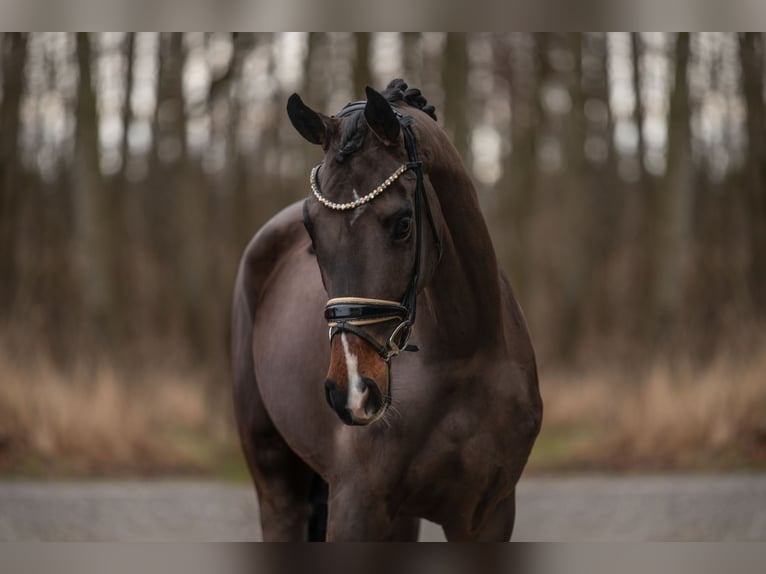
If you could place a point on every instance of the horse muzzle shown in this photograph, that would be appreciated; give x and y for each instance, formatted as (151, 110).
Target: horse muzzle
(366, 407)
(357, 383)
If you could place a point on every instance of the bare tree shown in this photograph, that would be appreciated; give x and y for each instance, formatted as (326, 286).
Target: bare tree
(413, 58)
(361, 69)
(674, 204)
(317, 56)
(636, 51)
(14, 54)
(129, 55)
(93, 222)
(588, 249)
(516, 60)
(455, 77)
(751, 53)
(576, 201)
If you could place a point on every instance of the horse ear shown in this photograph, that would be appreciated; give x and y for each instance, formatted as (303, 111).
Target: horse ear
(381, 118)
(310, 124)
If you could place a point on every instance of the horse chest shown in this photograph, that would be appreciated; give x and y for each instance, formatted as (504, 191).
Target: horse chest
(461, 468)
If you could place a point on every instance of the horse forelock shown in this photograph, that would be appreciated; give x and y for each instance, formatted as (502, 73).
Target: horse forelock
(352, 135)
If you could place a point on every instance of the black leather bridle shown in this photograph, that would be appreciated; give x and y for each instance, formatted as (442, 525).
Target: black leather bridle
(352, 314)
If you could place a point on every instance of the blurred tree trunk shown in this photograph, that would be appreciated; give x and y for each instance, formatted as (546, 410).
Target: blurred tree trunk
(642, 270)
(455, 80)
(187, 252)
(231, 222)
(575, 136)
(127, 109)
(413, 58)
(168, 200)
(272, 192)
(636, 54)
(361, 69)
(673, 212)
(170, 116)
(14, 55)
(576, 203)
(225, 93)
(751, 54)
(242, 213)
(93, 217)
(605, 96)
(313, 92)
(120, 204)
(315, 82)
(517, 62)
(157, 206)
(604, 207)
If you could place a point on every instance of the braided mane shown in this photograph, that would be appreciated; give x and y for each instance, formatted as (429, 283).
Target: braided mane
(397, 91)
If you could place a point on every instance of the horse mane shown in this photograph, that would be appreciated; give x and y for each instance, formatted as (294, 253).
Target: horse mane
(397, 91)
(354, 129)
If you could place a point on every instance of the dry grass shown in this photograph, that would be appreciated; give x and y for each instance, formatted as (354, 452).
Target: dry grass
(670, 417)
(99, 421)
(102, 421)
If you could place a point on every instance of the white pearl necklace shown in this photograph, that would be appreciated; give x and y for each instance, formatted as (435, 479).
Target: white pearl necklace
(362, 200)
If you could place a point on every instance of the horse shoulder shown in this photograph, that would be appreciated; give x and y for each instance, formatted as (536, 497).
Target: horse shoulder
(256, 265)
(272, 242)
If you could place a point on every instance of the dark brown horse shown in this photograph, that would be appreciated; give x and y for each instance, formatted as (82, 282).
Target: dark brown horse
(392, 226)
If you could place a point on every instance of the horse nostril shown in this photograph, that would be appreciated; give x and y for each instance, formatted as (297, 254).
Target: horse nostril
(374, 397)
(345, 416)
(330, 389)
(371, 400)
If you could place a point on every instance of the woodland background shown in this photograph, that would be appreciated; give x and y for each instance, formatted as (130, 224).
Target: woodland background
(623, 177)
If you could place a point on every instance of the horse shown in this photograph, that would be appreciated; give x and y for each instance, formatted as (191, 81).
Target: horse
(431, 414)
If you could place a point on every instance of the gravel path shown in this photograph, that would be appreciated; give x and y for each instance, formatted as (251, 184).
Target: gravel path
(727, 507)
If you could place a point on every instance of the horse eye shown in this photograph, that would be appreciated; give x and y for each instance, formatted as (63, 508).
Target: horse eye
(403, 228)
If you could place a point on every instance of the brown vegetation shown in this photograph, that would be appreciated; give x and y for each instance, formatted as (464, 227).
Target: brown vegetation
(104, 420)
(98, 420)
(669, 415)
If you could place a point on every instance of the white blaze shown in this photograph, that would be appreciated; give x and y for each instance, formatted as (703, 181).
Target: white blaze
(355, 397)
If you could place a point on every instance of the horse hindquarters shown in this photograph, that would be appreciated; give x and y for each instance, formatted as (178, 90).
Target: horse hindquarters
(283, 482)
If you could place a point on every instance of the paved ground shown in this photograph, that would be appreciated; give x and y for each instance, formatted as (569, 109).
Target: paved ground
(731, 507)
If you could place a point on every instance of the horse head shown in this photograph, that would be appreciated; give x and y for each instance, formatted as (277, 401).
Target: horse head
(368, 217)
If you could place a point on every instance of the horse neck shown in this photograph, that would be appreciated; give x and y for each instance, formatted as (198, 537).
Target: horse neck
(464, 293)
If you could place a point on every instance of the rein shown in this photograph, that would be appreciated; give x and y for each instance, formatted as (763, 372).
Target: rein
(352, 314)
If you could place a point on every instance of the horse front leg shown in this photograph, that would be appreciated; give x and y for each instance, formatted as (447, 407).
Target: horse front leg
(497, 526)
(357, 514)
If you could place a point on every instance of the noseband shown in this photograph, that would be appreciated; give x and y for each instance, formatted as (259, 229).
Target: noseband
(352, 314)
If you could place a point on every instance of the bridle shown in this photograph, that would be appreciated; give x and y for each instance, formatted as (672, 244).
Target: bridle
(352, 314)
